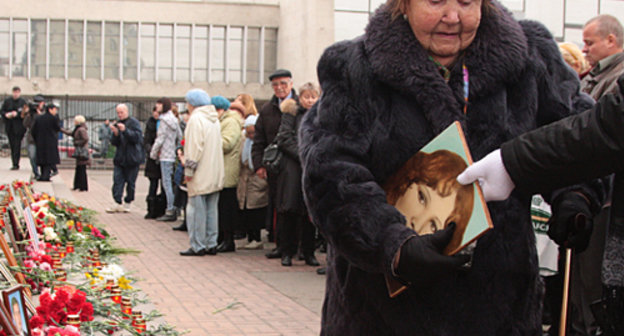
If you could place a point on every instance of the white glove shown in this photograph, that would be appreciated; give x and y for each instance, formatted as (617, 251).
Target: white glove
(492, 176)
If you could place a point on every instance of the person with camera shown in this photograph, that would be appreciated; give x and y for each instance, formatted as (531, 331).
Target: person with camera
(35, 109)
(128, 138)
(12, 115)
(45, 130)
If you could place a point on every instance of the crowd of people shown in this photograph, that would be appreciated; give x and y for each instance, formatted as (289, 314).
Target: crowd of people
(233, 170)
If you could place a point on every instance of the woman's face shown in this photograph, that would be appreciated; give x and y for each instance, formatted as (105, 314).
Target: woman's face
(307, 99)
(444, 27)
(424, 209)
(239, 99)
(159, 107)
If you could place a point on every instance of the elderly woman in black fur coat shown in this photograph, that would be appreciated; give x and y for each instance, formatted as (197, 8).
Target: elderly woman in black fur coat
(421, 65)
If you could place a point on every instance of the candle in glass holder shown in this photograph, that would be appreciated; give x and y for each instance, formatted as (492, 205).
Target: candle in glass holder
(73, 320)
(60, 274)
(69, 247)
(109, 284)
(116, 294)
(126, 308)
(140, 325)
(136, 314)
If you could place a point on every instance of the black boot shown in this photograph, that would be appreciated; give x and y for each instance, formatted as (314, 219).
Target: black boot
(150, 208)
(228, 243)
(169, 216)
(181, 227)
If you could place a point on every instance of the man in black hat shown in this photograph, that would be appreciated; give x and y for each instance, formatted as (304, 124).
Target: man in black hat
(12, 114)
(45, 130)
(35, 110)
(267, 126)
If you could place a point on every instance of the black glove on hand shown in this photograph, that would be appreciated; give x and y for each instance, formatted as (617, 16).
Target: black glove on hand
(572, 221)
(421, 261)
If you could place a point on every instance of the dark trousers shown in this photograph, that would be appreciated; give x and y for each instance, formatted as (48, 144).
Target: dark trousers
(80, 178)
(228, 214)
(253, 221)
(292, 226)
(153, 187)
(124, 176)
(15, 141)
(180, 199)
(45, 172)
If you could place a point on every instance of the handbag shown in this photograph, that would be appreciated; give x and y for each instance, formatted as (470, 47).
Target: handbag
(272, 158)
(81, 153)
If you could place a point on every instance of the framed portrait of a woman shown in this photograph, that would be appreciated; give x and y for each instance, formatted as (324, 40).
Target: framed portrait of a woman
(13, 299)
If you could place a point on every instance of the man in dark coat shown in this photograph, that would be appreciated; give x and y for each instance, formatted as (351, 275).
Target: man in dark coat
(11, 113)
(267, 126)
(383, 100)
(45, 130)
(128, 138)
(581, 147)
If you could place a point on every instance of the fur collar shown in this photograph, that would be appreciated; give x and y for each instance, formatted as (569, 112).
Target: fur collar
(497, 56)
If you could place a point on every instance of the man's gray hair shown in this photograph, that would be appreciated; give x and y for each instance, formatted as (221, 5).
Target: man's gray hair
(122, 106)
(608, 24)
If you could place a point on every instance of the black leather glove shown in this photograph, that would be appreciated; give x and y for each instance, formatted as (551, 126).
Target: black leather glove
(572, 221)
(421, 261)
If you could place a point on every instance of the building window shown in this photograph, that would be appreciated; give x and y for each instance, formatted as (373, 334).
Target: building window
(111, 50)
(165, 52)
(253, 55)
(4, 47)
(130, 48)
(200, 54)
(38, 48)
(235, 54)
(148, 51)
(75, 29)
(217, 54)
(57, 49)
(20, 47)
(270, 50)
(94, 49)
(183, 52)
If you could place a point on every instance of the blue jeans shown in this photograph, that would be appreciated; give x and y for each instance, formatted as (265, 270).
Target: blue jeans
(202, 221)
(166, 173)
(124, 176)
(32, 155)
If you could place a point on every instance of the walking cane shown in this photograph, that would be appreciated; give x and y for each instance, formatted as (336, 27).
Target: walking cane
(566, 291)
(579, 221)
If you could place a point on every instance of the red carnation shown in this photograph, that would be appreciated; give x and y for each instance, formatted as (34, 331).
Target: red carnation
(87, 312)
(36, 322)
(41, 215)
(46, 258)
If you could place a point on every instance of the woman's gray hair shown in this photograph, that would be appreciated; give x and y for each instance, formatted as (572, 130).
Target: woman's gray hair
(80, 119)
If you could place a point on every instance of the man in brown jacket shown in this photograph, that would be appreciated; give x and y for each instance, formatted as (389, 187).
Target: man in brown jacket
(604, 39)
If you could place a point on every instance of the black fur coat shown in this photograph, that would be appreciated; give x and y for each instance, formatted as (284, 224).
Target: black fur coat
(382, 101)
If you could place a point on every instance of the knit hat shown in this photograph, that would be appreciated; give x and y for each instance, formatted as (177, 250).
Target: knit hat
(38, 98)
(238, 107)
(221, 102)
(197, 97)
(251, 120)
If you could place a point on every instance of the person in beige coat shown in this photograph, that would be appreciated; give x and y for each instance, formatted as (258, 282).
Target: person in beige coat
(231, 136)
(252, 191)
(203, 173)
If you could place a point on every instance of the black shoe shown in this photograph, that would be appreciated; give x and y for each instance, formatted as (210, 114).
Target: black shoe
(286, 260)
(43, 180)
(321, 271)
(226, 246)
(311, 261)
(168, 217)
(211, 251)
(274, 254)
(15, 168)
(190, 252)
(149, 215)
(53, 173)
(300, 256)
(181, 227)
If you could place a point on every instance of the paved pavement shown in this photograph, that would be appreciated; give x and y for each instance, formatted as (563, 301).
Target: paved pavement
(240, 293)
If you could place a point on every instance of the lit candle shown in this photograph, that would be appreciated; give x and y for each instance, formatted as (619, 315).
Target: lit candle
(73, 320)
(126, 308)
(116, 294)
(69, 247)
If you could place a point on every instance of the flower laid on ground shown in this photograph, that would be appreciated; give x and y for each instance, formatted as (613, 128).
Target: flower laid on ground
(54, 308)
(124, 283)
(50, 234)
(67, 331)
(112, 272)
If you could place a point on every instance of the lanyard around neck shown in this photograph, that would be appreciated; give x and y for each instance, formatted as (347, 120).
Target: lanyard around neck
(446, 74)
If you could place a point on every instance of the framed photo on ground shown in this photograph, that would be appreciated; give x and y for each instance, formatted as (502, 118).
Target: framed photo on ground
(6, 323)
(15, 304)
